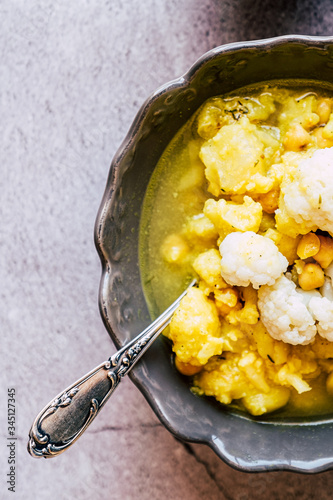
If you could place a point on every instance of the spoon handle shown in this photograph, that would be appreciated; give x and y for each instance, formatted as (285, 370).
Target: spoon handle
(67, 416)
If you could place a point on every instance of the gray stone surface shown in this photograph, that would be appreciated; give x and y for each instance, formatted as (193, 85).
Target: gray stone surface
(72, 77)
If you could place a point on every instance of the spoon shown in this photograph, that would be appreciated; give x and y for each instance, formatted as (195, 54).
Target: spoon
(66, 417)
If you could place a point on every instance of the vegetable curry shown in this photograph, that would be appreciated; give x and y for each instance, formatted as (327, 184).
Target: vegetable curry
(242, 198)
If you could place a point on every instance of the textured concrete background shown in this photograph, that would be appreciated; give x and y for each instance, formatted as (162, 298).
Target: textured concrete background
(72, 77)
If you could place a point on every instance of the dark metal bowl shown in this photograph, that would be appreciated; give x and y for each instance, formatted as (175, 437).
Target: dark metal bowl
(245, 443)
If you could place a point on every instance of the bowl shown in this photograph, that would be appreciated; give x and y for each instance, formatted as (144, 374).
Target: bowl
(245, 443)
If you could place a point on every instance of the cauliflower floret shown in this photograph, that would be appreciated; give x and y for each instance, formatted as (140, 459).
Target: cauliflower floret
(306, 195)
(250, 258)
(199, 229)
(327, 290)
(228, 217)
(249, 314)
(207, 265)
(284, 312)
(322, 310)
(195, 329)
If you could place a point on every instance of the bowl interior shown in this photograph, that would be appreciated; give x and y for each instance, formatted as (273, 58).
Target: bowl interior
(260, 445)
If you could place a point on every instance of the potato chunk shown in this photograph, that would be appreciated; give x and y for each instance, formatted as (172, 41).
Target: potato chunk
(234, 160)
(265, 402)
(223, 379)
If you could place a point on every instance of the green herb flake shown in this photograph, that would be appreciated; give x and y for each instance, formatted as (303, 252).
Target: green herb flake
(238, 111)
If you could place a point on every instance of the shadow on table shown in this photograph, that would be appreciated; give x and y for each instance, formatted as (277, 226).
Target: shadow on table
(256, 19)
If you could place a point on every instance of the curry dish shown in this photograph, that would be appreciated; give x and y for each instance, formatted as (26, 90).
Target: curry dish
(242, 198)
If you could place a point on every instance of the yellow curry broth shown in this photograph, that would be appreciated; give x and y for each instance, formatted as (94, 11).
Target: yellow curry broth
(220, 174)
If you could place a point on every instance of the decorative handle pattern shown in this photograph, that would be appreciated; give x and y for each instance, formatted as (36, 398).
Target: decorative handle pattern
(67, 416)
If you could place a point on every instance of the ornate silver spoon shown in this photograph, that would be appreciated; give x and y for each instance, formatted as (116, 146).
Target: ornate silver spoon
(67, 416)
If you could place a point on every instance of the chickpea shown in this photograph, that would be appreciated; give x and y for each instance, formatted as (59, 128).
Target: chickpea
(328, 129)
(324, 257)
(299, 266)
(321, 141)
(269, 201)
(324, 110)
(174, 248)
(309, 120)
(311, 277)
(296, 138)
(186, 368)
(308, 246)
